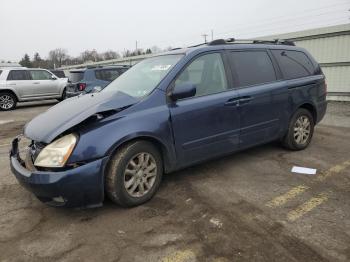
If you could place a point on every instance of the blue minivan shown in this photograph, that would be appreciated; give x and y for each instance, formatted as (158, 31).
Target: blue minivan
(169, 112)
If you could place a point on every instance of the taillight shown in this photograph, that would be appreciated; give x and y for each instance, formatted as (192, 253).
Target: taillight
(325, 87)
(81, 86)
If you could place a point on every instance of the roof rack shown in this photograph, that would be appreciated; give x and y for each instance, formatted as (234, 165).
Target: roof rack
(197, 45)
(251, 41)
(104, 66)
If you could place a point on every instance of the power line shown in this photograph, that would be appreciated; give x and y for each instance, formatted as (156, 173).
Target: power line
(284, 20)
(262, 25)
(261, 28)
(298, 25)
(276, 18)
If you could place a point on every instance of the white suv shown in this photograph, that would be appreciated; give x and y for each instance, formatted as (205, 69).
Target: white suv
(19, 84)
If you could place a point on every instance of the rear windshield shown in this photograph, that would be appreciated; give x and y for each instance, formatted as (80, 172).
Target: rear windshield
(107, 74)
(76, 76)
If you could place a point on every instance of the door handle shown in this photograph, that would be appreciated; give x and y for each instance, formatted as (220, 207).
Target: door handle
(12, 84)
(245, 100)
(36, 83)
(232, 102)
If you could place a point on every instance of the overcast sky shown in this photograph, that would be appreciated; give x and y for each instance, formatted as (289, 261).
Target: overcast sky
(77, 25)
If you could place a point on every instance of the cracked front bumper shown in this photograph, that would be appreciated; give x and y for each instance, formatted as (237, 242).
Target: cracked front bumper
(82, 186)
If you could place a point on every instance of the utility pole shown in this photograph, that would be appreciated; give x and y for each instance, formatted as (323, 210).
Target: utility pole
(136, 47)
(205, 38)
(212, 35)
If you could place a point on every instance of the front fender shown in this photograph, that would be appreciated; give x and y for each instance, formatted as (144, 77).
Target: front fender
(102, 140)
(13, 90)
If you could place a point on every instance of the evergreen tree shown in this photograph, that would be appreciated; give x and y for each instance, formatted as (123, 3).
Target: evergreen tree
(37, 61)
(26, 61)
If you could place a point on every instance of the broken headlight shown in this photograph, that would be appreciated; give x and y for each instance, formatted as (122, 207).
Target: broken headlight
(57, 153)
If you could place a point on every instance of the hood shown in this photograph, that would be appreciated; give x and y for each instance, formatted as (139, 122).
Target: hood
(59, 118)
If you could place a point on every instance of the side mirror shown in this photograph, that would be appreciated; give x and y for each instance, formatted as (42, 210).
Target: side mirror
(183, 91)
(53, 77)
(96, 89)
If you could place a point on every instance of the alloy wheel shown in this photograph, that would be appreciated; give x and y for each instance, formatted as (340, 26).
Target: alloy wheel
(302, 129)
(6, 102)
(140, 174)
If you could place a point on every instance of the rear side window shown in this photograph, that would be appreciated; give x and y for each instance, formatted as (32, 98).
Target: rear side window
(0, 72)
(293, 64)
(18, 75)
(76, 76)
(40, 75)
(252, 67)
(107, 74)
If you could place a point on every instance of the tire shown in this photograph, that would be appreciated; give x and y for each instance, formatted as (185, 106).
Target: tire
(126, 172)
(300, 130)
(8, 101)
(63, 97)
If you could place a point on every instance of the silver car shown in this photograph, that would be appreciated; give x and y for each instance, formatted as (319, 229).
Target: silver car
(20, 84)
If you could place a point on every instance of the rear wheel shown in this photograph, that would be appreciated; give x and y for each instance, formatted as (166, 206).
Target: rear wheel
(301, 129)
(134, 174)
(64, 96)
(8, 101)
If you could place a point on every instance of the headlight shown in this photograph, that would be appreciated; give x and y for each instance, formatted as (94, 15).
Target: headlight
(57, 153)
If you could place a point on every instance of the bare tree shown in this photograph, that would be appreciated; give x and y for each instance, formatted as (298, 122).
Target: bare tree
(57, 56)
(110, 54)
(155, 49)
(92, 55)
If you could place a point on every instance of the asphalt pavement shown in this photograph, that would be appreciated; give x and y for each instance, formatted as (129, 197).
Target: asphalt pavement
(245, 207)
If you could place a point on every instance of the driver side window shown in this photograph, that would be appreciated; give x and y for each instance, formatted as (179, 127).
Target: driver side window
(207, 73)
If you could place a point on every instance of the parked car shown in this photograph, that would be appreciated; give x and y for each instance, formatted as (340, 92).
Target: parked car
(169, 112)
(58, 73)
(92, 79)
(20, 84)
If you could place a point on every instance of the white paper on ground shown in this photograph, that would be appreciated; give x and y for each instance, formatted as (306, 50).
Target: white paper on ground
(304, 170)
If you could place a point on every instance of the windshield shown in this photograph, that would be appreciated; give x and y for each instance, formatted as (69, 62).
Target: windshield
(143, 77)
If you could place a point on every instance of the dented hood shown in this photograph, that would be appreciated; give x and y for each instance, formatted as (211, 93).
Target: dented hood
(59, 118)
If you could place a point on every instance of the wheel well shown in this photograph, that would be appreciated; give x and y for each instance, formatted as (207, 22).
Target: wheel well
(311, 109)
(161, 148)
(8, 91)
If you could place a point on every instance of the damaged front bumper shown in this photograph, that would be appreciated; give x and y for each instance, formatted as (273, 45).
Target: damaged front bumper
(82, 186)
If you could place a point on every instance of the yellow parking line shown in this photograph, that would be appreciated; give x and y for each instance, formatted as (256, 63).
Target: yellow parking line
(282, 199)
(307, 207)
(333, 170)
(180, 256)
(295, 191)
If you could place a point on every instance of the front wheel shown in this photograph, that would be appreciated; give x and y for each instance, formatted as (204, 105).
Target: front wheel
(300, 131)
(134, 174)
(8, 101)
